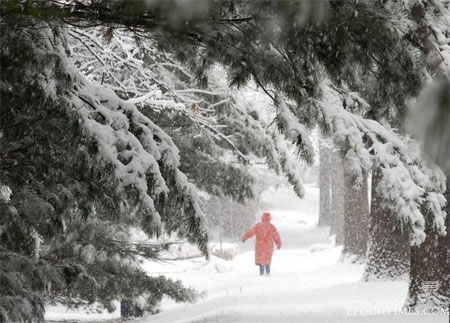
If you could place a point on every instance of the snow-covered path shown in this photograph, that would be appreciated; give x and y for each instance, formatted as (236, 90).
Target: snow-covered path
(307, 284)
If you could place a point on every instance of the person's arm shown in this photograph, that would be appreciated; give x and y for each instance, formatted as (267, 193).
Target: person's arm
(250, 233)
(276, 237)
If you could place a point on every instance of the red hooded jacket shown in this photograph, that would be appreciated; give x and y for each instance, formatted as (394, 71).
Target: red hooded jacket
(266, 235)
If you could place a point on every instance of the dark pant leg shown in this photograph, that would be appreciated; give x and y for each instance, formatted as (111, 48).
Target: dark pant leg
(261, 269)
(268, 269)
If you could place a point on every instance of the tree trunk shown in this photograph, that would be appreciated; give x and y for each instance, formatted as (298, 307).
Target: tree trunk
(446, 251)
(430, 269)
(337, 197)
(388, 249)
(325, 185)
(356, 219)
(128, 309)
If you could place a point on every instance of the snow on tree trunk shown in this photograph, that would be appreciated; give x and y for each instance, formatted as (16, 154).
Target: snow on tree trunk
(325, 185)
(337, 197)
(388, 248)
(356, 218)
(429, 283)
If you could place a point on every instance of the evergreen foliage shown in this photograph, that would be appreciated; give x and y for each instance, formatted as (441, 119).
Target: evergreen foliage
(217, 130)
(84, 167)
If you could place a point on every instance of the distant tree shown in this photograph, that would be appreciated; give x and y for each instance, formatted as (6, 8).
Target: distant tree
(338, 197)
(325, 174)
(356, 219)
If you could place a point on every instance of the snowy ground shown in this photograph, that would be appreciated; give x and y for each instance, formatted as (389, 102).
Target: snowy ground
(307, 284)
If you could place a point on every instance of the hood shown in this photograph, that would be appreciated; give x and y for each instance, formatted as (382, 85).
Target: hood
(265, 217)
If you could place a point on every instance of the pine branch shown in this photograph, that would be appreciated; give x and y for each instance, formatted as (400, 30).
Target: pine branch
(180, 258)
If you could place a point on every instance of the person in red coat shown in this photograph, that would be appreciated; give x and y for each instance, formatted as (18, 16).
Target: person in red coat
(266, 235)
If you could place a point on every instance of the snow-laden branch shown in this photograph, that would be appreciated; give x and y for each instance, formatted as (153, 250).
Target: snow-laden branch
(146, 77)
(142, 159)
(293, 129)
(408, 181)
(200, 91)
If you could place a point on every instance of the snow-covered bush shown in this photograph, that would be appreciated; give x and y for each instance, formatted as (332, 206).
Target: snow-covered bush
(225, 250)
